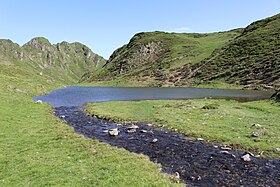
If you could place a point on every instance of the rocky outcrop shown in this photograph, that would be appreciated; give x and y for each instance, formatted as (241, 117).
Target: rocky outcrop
(63, 61)
(135, 55)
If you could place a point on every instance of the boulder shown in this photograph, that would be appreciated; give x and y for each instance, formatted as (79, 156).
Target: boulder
(113, 132)
(154, 140)
(246, 158)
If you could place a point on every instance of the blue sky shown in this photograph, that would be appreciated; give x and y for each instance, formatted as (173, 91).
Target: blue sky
(105, 25)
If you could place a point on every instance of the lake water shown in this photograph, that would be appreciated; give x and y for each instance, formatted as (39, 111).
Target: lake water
(77, 95)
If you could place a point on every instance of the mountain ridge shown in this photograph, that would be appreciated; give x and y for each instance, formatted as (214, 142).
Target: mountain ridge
(62, 61)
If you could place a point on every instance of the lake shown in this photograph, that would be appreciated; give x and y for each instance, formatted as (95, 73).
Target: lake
(79, 95)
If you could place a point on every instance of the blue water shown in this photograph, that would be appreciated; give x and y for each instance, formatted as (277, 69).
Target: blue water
(77, 96)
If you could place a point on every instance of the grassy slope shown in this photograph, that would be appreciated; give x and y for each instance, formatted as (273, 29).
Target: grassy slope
(251, 59)
(228, 122)
(157, 66)
(36, 149)
(64, 61)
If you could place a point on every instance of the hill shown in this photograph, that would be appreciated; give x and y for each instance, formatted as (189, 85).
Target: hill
(151, 58)
(251, 59)
(65, 62)
(243, 58)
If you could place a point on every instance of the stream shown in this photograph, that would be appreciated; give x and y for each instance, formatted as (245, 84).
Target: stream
(197, 163)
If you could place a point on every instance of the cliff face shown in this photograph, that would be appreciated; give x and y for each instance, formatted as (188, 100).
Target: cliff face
(64, 61)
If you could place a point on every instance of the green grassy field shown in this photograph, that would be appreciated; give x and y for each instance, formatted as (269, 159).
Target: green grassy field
(36, 149)
(226, 121)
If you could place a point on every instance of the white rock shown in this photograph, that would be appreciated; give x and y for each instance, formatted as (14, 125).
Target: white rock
(225, 148)
(200, 139)
(143, 131)
(278, 149)
(177, 175)
(133, 127)
(246, 158)
(224, 152)
(113, 132)
(62, 116)
(256, 125)
(39, 101)
(131, 130)
(154, 140)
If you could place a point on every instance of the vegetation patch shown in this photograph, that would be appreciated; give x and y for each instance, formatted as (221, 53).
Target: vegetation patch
(251, 126)
(37, 149)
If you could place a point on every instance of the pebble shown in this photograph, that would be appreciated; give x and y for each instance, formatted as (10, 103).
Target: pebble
(113, 132)
(256, 125)
(154, 140)
(226, 148)
(224, 152)
(246, 158)
(39, 101)
(143, 131)
(200, 139)
(257, 134)
(133, 127)
(131, 130)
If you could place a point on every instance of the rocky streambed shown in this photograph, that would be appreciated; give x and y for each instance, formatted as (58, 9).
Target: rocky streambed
(194, 161)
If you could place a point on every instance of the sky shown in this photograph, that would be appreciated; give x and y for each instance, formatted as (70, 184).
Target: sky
(105, 25)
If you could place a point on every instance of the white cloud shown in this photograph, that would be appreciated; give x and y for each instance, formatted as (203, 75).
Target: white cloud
(182, 29)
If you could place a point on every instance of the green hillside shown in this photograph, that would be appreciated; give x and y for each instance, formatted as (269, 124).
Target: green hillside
(251, 59)
(244, 58)
(151, 58)
(37, 149)
(63, 61)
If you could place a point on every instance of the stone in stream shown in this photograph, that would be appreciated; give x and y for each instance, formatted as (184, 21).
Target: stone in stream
(226, 148)
(143, 131)
(224, 152)
(113, 132)
(133, 127)
(39, 101)
(154, 140)
(246, 157)
(130, 130)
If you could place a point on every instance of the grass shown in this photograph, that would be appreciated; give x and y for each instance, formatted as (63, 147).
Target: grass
(250, 59)
(226, 121)
(37, 149)
(172, 51)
